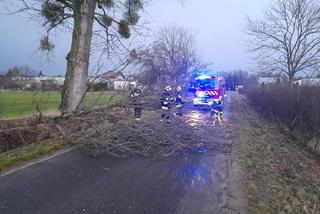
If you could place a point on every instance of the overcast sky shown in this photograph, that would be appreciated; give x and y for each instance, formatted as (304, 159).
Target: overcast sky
(218, 25)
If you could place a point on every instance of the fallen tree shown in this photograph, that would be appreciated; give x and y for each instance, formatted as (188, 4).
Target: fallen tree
(150, 139)
(112, 130)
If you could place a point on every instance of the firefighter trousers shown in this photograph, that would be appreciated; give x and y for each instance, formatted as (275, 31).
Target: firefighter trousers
(137, 111)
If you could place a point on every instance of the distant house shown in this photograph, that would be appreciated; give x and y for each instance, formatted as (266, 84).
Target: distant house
(57, 80)
(39, 82)
(308, 82)
(113, 80)
(269, 80)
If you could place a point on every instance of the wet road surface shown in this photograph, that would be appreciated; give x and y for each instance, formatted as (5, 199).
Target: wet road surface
(194, 183)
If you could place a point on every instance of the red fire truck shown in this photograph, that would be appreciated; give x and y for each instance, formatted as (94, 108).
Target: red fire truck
(209, 91)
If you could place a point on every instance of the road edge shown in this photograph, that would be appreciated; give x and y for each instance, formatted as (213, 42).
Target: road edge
(36, 161)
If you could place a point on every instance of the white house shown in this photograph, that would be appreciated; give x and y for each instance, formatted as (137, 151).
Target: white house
(31, 80)
(269, 80)
(113, 80)
(308, 81)
(26, 83)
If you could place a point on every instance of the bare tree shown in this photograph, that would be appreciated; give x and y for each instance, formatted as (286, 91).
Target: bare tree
(171, 55)
(21, 71)
(287, 40)
(235, 78)
(115, 18)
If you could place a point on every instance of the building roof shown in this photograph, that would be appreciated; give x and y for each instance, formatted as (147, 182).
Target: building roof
(111, 75)
(310, 78)
(268, 78)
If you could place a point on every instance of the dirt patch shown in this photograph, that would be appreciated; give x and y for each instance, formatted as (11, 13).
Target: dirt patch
(314, 145)
(282, 176)
(16, 137)
(7, 124)
(237, 192)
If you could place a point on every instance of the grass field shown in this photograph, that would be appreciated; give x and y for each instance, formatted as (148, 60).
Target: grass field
(23, 104)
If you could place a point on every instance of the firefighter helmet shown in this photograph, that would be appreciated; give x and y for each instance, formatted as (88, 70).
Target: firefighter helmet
(133, 83)
(167, 88)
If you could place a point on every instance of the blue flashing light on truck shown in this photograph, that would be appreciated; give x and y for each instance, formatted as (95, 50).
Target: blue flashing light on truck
(209, 91)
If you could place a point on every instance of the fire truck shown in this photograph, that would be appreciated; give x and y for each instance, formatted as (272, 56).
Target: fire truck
(209, 91)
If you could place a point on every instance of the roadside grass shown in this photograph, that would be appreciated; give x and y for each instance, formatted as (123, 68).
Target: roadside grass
(281, 176)
(21, 155)
(21, 104)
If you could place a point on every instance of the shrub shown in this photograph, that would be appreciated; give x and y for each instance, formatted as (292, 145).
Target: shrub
(297, 107)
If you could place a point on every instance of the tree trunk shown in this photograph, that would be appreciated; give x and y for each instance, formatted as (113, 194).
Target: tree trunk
(75, 84)
(291, 78)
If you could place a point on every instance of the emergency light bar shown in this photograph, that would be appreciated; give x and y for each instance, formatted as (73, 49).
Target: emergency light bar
(206, 77)
(203, 77)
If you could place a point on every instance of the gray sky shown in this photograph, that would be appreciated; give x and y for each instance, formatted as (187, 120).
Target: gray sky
(217, 23)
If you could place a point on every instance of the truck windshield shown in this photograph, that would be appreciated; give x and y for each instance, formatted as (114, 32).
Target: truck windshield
(208, 84)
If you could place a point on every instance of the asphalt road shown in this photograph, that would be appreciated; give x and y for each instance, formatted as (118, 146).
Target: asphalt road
(74, 183)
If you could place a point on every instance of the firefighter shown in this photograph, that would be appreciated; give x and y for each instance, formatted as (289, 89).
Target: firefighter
(216, 115)
(135, 96)
(178, 101)
(166, 103)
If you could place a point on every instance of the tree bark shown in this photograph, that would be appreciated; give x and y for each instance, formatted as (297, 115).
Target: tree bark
(75, 84)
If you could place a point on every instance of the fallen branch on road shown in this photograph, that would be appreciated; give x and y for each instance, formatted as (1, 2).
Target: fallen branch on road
(150, 139)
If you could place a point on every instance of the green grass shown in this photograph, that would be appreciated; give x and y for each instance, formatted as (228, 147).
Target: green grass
(20, 155)
(100, 99)
(21, 104)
